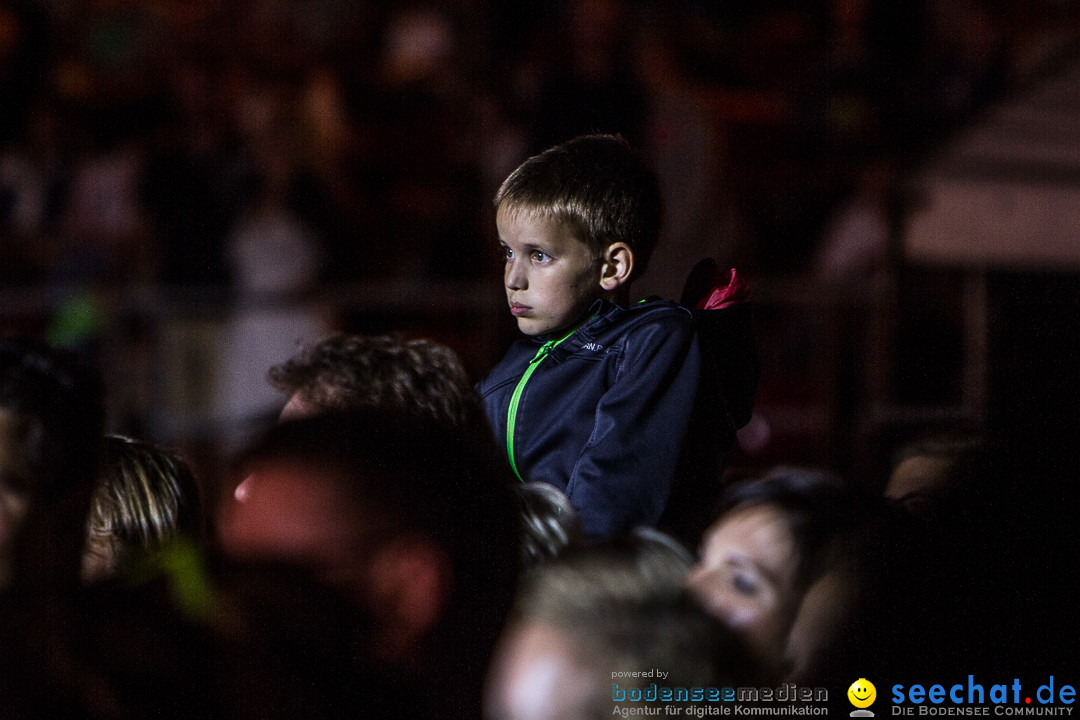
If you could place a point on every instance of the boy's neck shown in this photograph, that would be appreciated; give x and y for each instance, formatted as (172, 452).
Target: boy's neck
(619, 296)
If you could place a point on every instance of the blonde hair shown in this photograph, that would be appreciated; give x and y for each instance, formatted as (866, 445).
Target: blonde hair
(145, 496)
(600, 187)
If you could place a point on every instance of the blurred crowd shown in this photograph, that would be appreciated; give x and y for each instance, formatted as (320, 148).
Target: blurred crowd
(239, 158)
(144, 140)
(369, 555)
(366, 555)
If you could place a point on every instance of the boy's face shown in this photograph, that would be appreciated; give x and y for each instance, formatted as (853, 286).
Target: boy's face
(551, 277)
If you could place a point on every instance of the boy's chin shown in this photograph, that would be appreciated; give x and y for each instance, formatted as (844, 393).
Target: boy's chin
(529, 326)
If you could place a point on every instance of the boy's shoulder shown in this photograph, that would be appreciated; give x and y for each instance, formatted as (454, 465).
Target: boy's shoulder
(618, 319)
(611, 327)
(607, 330)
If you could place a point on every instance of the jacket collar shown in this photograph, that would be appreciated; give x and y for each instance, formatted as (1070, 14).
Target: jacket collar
(598, 315)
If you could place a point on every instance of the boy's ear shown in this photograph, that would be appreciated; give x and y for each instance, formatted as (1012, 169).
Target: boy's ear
(618, 263)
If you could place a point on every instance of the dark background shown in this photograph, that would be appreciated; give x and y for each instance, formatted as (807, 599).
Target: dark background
(136, 137)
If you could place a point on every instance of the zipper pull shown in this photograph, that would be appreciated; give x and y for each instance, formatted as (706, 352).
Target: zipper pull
(550, 344)
(544, 350)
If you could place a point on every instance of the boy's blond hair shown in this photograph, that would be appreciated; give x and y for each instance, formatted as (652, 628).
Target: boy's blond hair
(598, 186)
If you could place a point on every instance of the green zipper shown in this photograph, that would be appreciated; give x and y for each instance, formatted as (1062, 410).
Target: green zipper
(515, 399)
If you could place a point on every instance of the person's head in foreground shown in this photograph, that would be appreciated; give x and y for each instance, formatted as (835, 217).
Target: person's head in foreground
(549, 524)
(597, 611)
(52, 420)
(784, 565)
(147, 497)
(350, 372)
(410, 519)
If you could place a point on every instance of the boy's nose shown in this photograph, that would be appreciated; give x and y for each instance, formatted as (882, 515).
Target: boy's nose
(515, 277)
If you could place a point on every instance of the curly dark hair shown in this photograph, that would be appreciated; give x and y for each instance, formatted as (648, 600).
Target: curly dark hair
(348, 372)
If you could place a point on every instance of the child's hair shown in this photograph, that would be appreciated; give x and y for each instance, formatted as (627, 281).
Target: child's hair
(599, 186)
(146, 496)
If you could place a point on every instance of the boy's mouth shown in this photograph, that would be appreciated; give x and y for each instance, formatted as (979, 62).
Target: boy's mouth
(519, 310)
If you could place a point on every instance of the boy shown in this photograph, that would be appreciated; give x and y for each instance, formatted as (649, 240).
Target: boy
(627, 409)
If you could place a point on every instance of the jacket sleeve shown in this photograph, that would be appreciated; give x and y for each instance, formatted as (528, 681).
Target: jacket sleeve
(625, 472)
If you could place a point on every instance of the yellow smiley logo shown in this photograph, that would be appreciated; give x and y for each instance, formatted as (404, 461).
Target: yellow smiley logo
(862, 693)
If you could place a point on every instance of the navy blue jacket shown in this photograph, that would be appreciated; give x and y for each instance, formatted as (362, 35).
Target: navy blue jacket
(630, 415)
